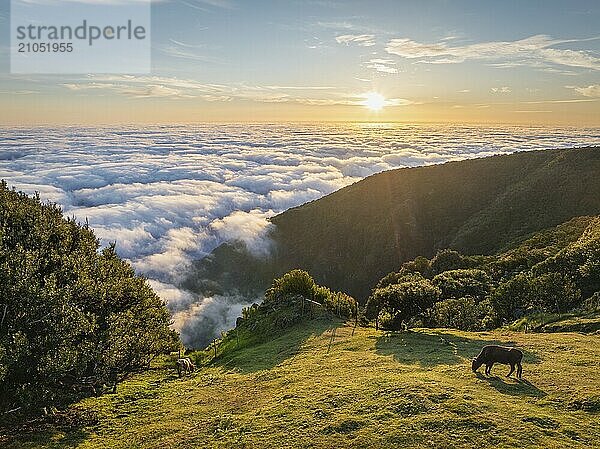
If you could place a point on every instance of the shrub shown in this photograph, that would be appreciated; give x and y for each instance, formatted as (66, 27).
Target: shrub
(295, 282)
(286, 304)
(524, 293)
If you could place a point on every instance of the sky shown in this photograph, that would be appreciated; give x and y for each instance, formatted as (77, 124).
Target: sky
(521, 62)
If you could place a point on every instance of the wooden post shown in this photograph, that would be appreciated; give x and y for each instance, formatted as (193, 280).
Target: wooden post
(331, 339)
(237, 338)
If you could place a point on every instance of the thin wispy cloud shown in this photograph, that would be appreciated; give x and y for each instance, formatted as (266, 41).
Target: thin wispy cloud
(174, 88)
(183, 44)
(381, 65)
(362, 40)
(534, 49)
(201, 4)
(183, 52)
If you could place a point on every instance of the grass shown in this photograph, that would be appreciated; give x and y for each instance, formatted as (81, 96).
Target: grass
(582, 322)
(370, 389)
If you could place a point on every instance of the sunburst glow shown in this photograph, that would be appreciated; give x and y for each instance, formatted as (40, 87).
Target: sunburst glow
(374, 101)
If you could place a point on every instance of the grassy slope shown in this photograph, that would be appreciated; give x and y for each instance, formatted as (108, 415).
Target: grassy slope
(371, 390)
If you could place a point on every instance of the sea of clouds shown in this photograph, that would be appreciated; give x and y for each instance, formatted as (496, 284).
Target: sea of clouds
(170, 194)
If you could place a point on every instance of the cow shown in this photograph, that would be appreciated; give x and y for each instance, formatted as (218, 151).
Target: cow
(185, 366)
(491, 354)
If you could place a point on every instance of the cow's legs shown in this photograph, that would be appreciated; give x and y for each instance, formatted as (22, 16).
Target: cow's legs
(519, 370)
(512, 370)
(488, 369)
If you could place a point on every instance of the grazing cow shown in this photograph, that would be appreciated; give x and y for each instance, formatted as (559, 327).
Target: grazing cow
(498, 354)
(185, 366)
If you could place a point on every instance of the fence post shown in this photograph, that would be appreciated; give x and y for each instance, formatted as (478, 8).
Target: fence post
(331, 339)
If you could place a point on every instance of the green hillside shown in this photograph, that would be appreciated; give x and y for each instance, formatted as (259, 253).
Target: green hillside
(364, 389)
(350, 239)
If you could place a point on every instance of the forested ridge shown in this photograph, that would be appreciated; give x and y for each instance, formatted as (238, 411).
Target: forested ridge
(351, 238)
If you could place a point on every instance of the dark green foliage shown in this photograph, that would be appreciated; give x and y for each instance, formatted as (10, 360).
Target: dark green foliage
(352, 238)
(522, 255)
(398, 277)
(296, 282)
(462, 313)
(553, 293)
(72, 319)
(510, 299)
(551, 272)
(399, 303)
(446, 260)
(459, 283)
(420, 265)
(580, 261)
(525, 294)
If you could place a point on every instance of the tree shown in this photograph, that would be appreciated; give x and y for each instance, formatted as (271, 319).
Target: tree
(401, 302)
(398, 278)
(445, 260)
(72, 319)
(459, 283)
(554, 293)
(461, 313)
(511, 298)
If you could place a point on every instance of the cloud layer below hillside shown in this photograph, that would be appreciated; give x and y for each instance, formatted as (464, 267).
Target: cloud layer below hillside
(170, 194)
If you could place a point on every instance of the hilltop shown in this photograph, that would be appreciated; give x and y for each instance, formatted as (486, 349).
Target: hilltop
(351, 238)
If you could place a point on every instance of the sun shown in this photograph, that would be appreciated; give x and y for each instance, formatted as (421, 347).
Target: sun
(374, 101)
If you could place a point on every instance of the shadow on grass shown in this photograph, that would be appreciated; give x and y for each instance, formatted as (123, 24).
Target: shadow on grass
(432, 348)
(39, 433)
(273, 350)
(48, 439)
(513, 387)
